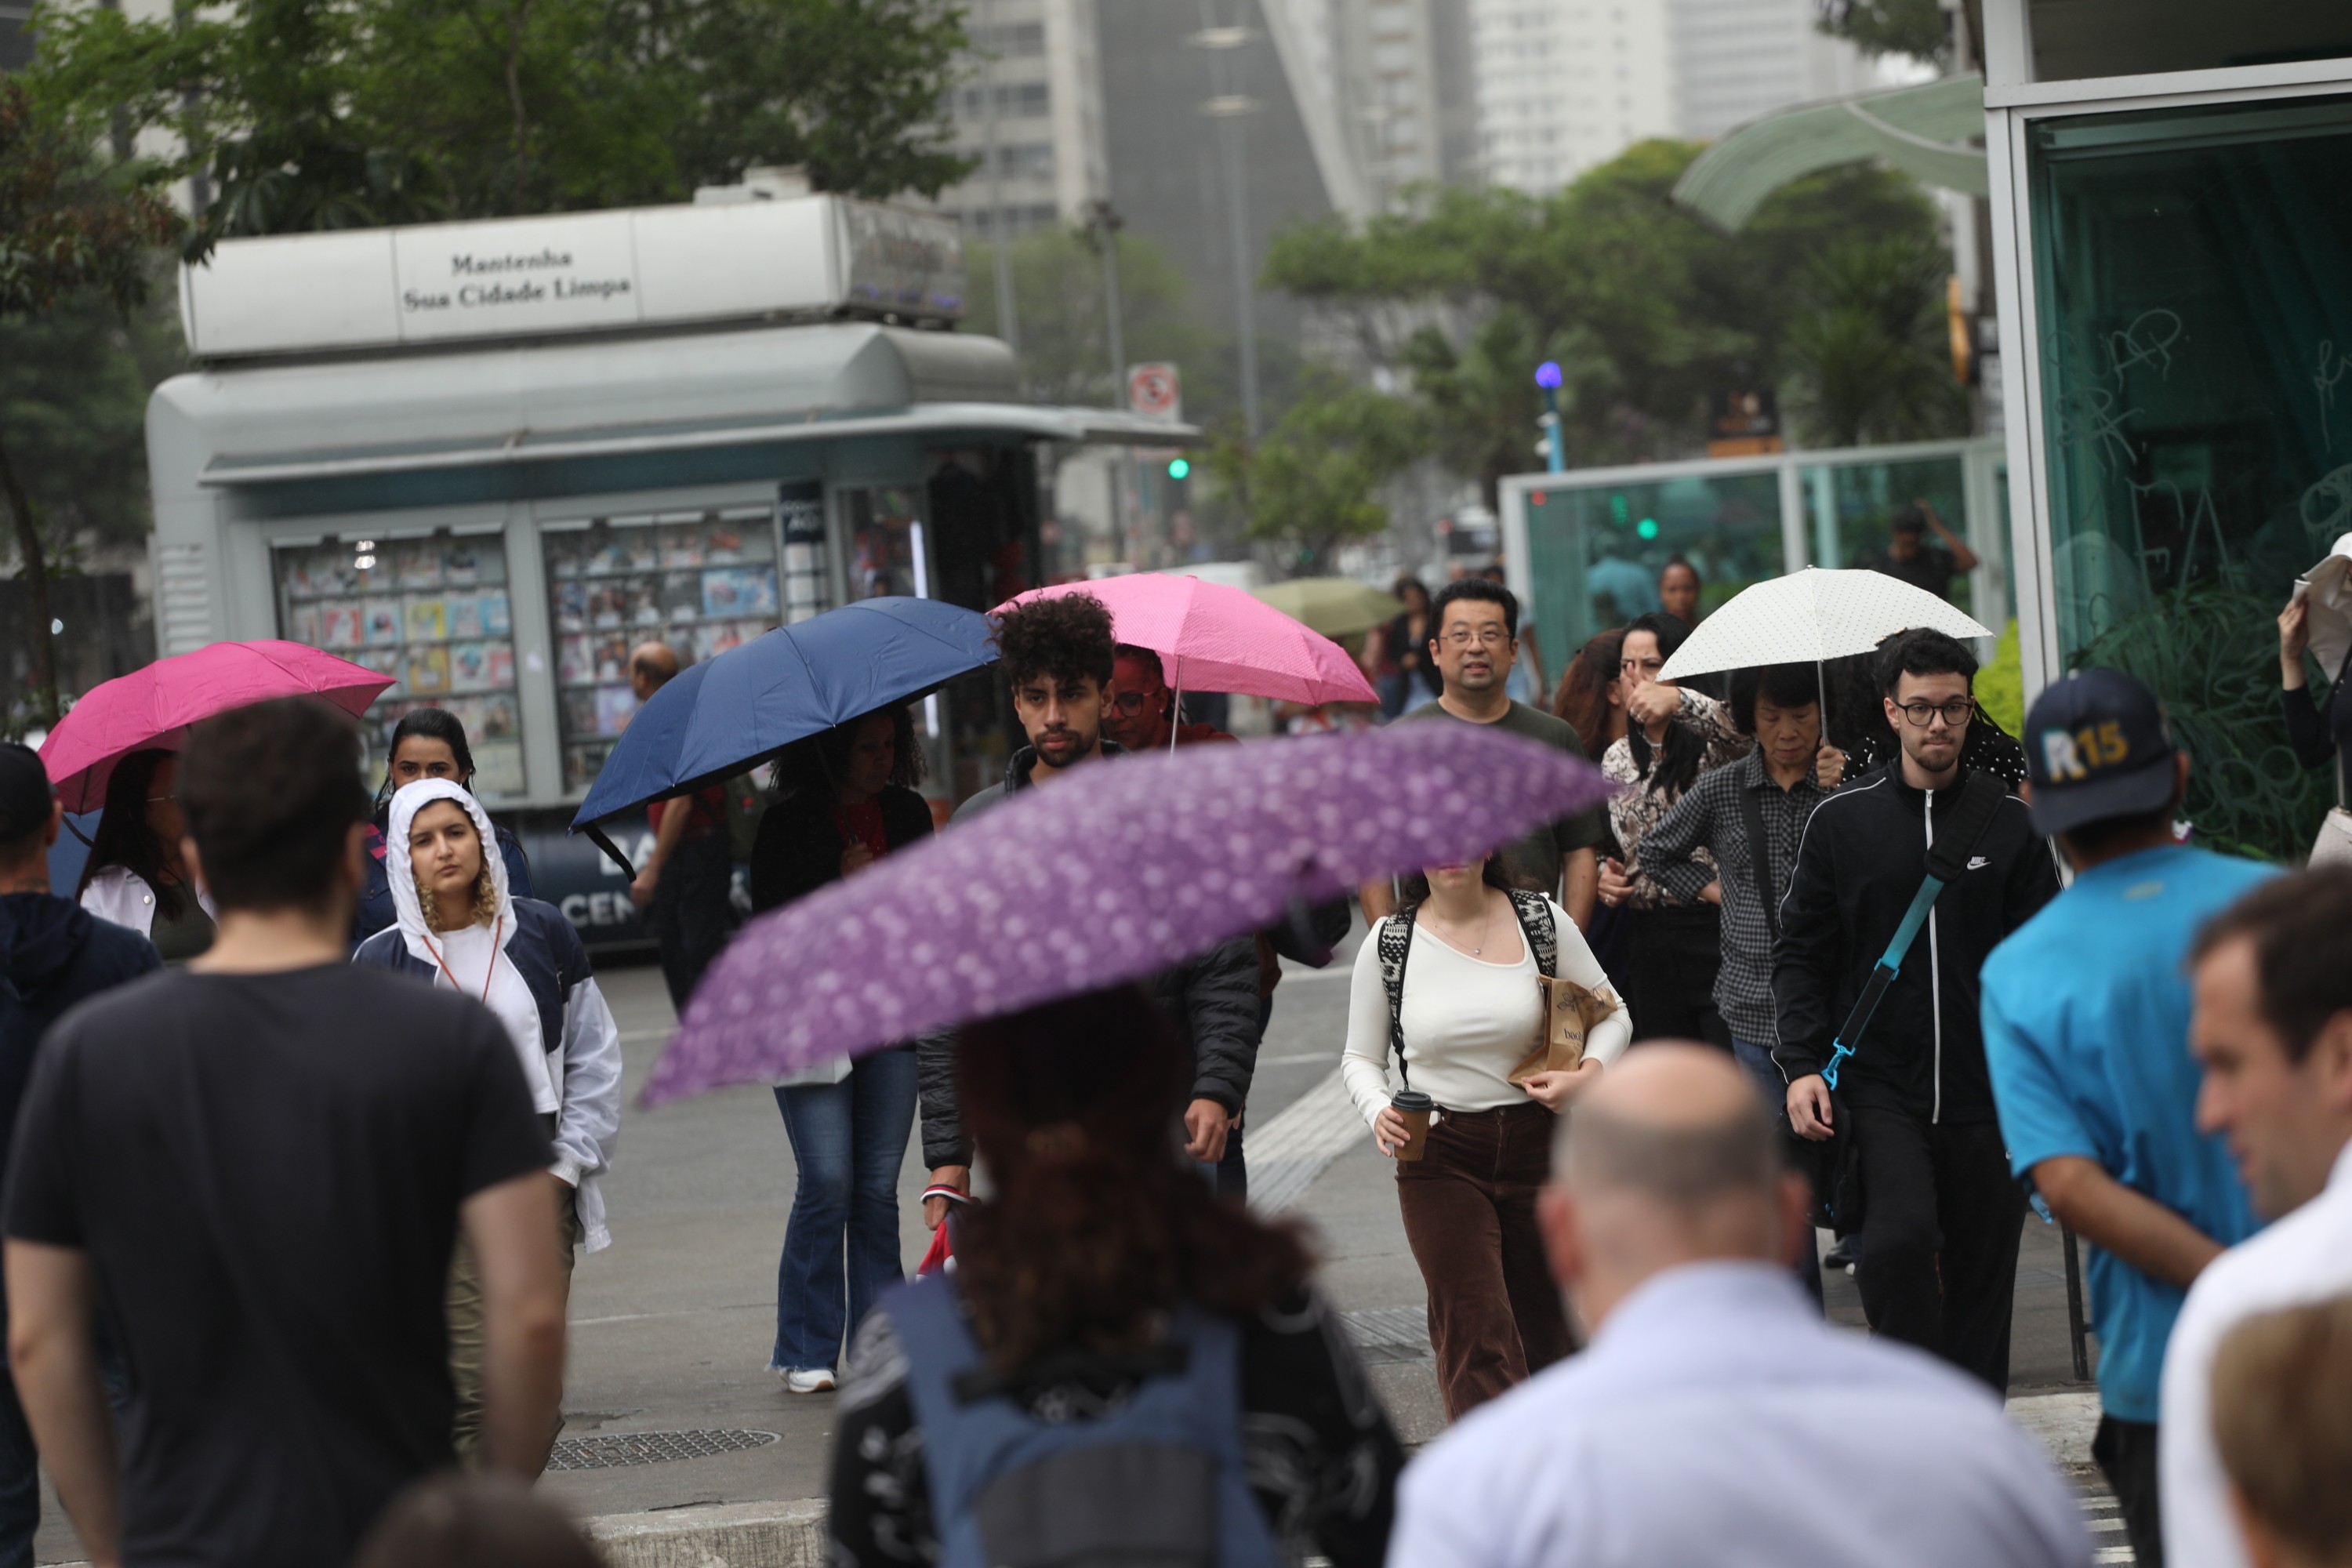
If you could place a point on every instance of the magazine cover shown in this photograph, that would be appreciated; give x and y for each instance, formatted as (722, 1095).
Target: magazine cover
(383, 661)
(427, 670)
(501, 656)
(580, 711)
(383, 616)
(716, 637)
(736, 591)
(418, 562)
(723, 544)
(461, 563)
(582, 763)
(341, 628)
(428, 619)
(571, 606)
(497, 768)
(681, 597)
(465, 612)
(498, 720)
(682, 544)
(615, 704)
(304, 623)
(608, 605)
(576, 660)
(612, 659)
(645, 602)
(566, 551)
(470, 666)
(497, 620)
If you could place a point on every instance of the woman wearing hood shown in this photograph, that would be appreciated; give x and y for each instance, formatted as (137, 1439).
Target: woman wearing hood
(456, 925)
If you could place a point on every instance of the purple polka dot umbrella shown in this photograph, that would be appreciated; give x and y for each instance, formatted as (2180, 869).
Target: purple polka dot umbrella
(1122, 868)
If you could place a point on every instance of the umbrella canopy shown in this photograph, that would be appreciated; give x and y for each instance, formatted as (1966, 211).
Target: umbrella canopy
(155, 706)
(1215, 639)
(1052, 893)
(718, 718)
(1808, 616)
(1335, 606)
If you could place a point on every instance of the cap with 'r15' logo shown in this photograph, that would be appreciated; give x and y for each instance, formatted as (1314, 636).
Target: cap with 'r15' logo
(2096, 747)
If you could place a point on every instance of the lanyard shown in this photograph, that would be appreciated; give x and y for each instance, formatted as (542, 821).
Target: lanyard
(496, 931)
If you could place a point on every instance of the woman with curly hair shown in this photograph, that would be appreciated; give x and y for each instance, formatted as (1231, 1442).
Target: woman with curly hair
(457, 926)
(851, 802)
(1110, 1317)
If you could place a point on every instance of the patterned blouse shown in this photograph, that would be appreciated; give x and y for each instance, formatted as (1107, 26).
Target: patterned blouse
(1636, 808)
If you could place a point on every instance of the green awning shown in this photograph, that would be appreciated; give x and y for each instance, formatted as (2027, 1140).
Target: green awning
(1923, 131)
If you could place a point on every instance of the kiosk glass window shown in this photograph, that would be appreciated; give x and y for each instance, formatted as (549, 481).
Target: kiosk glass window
(1595, 550)
(2194, 285)
(885, 525)
(432, 613)
(1853, 507)
(701, 582)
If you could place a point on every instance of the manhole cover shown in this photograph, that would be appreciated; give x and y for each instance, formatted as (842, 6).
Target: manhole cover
(608, 1450)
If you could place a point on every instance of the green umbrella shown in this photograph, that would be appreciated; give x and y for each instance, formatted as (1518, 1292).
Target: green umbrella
(1336, 607)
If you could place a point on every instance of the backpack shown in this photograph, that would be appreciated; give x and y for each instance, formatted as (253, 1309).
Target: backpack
(1534, 911)
(1159, 1482)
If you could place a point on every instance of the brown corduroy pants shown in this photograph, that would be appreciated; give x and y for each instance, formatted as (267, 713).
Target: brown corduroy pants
(1496, 1317)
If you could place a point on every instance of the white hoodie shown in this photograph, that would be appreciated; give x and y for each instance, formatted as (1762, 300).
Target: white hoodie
(579, 1082)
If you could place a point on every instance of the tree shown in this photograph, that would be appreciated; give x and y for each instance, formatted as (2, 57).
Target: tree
(1646, 309)
(1870, 361)
(72, 229)
(1311, 482)
(1064, 334)
(321, 114)
(1912, 28)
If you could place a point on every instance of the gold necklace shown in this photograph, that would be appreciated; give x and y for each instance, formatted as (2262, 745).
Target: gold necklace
(1485, 923)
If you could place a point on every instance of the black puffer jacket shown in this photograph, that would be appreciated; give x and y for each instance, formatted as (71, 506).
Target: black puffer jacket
(1212, 1003)
(1863, 854)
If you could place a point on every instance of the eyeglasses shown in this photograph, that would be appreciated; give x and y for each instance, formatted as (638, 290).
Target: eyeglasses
(159, 799)
(1489, 637)
(1955, 714)
(1131, 703)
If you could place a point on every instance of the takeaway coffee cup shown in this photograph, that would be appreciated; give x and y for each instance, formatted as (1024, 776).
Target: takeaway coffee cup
(1415, 1108)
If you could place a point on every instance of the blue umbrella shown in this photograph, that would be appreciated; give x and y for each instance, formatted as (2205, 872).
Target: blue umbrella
(722, 716)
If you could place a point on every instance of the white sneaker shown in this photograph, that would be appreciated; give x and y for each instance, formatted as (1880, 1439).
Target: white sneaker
(800, 1380)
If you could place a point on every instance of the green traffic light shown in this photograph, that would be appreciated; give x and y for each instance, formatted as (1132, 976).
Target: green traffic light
(1177, 467)
(1647, 528)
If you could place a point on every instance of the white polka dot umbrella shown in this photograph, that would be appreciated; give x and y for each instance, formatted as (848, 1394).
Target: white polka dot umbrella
(1808, 616)
(1117, 870)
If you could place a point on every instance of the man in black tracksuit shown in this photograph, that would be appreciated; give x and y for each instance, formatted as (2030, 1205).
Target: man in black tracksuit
(1937, 1248)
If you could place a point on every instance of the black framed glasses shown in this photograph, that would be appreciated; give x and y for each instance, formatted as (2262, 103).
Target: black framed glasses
(1128, 703)
(1955, 714)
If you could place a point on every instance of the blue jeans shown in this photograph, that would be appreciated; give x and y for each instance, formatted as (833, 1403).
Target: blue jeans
(849, 1140)
(1757, 1060)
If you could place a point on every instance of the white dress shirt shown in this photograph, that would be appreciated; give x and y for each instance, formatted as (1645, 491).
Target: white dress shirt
(2305, 1257)
(1718, 1419)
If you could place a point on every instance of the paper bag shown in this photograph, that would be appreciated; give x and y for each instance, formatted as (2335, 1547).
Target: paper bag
(1570, 1012)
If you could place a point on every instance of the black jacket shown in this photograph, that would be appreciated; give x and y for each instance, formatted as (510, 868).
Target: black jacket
(1864, 856)
(1212, 1002)
(53, 954)
(798, 847)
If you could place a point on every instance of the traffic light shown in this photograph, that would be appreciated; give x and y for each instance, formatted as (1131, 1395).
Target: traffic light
(1177, 467)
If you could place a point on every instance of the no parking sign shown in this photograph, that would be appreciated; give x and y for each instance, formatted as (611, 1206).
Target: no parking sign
(1154, 391)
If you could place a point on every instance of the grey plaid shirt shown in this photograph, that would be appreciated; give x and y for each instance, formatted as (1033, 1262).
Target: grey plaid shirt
(1709, 816)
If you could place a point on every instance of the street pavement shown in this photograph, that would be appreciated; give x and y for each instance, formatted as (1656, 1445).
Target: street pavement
(671, 1326)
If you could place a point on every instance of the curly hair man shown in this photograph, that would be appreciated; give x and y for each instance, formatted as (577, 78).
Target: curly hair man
(1057, 654)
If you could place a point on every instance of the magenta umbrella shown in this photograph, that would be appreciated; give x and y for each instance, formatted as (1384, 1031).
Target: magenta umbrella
(1117, 870)
(155, 706)
(1215, 639)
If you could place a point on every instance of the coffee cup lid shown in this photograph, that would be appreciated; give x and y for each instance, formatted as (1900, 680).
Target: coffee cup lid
(1411, 1099)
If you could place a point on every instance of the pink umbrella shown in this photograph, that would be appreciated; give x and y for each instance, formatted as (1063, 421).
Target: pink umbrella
(1215, 639)
(153, 706)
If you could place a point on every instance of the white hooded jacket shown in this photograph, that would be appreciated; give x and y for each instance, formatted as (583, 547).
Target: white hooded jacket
(574, 1072)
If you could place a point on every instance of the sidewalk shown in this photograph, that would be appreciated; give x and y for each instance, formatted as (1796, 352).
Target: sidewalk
(682, 1450)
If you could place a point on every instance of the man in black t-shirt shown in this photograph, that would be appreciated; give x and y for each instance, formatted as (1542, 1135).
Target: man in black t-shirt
(1909, 558)
(258, 1168)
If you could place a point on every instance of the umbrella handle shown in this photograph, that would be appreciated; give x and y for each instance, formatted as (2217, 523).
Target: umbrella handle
(597, 837)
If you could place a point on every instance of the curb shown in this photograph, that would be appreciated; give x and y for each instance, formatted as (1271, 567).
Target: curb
(722, 1535)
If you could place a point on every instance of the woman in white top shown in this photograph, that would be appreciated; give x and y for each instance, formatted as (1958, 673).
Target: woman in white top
(457, 926)
(1469, 1014)
(134, 875)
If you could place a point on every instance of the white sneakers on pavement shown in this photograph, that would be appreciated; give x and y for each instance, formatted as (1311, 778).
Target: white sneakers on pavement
(800, 1380)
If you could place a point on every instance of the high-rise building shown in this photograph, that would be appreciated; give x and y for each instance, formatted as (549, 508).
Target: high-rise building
(1030, 110)
(1562, 85)
(1386, 82)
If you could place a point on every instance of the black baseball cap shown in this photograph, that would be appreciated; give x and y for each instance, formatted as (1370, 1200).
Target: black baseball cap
(24, 791)
(2096, 747)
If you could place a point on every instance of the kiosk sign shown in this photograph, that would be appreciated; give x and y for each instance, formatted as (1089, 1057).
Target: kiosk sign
(465, 279)
(1154, 391)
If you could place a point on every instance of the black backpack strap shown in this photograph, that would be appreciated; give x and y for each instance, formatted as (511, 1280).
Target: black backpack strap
(1395, 947)
(1534, 912)
(1759, 855)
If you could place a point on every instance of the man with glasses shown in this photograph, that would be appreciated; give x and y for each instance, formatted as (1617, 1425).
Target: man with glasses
(1474, 638)
(1940, 1214)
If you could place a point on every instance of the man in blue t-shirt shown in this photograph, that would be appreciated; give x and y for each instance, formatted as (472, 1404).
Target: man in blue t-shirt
(2085, 1012)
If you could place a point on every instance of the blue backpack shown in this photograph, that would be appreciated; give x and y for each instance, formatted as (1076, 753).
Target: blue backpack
(1159, 1482)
